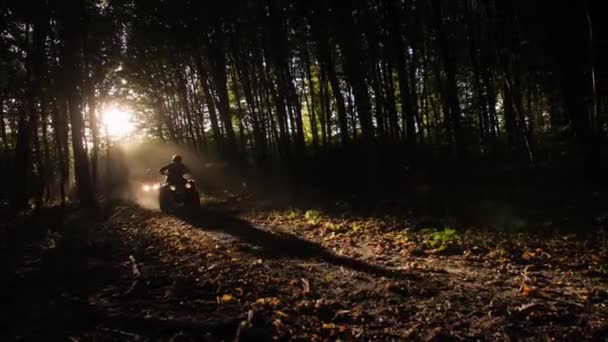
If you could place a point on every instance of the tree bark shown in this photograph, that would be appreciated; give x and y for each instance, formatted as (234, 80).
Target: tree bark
(312, 112)
(71, 20)
(218, 58)
(203, 77)
(407, 105)
(28, 127)
(349, 39)
(451, 87)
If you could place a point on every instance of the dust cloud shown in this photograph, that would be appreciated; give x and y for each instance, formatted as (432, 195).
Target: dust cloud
(133, 171)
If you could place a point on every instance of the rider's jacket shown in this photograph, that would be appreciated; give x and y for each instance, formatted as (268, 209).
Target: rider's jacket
(174, 172)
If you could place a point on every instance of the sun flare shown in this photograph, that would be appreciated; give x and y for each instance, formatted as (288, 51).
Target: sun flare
(118, 122)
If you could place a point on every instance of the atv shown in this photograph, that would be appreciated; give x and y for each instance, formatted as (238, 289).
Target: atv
(177, 198)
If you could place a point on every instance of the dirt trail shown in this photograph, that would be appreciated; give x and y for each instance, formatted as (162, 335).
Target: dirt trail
(288, 277)
(305, 282)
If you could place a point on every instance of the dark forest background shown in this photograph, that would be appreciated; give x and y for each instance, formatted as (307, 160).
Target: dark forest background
(343, 95)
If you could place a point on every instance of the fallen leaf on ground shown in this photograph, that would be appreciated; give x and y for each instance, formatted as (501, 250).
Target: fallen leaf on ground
(306, 284)
(329, 326)
(528, 255)
(526, 290)
(268, 301)
(526, 307)
(280, 313)
(226, 298)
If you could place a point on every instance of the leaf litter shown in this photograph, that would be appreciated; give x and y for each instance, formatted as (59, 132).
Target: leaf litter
(312, 276)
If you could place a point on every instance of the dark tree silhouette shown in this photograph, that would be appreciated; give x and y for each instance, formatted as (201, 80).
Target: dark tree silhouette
(294, 81)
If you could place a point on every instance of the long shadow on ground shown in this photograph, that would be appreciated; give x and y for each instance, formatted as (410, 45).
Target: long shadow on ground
(280, 245)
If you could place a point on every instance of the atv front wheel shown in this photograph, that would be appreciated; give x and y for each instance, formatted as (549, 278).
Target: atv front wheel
(163, 201)
(194, 200)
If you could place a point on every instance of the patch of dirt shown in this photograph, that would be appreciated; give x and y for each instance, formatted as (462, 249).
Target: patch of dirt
(233, 271)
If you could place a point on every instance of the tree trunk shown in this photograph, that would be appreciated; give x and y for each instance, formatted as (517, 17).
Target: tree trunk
(204, 82)
(591, 65)
(91, 100)
(451, 87)
(276, 50)
(28, 127)
(3, 134)
(218, 58)
(349, 39)
(312, 107)
(320, 31)
(60, 135)
(407, 105)
(480, 103)
(71, 21)
(259, 134)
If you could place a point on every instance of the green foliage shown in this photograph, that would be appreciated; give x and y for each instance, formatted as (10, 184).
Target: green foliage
(292, 215)
(328, 278)
(334, 227)
(356, 227)
(404, 235)
(441, 248)
(313, 215)
(440, 239)
(501, 252)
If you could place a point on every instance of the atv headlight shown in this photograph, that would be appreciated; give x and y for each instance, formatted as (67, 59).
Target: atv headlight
(188, 185)
(156, 187)
(146, 188)
(172, 188)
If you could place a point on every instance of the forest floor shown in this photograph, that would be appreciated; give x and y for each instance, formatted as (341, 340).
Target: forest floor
(241, 267)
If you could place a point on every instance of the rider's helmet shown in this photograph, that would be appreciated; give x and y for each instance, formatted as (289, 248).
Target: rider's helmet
(176, 158)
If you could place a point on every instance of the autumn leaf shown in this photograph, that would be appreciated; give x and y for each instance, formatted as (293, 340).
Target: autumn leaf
(332, 326)
(526, 290)
(226, 298)
(306, 284)
(280, 313)
(268, 301)
(596, 257)
(329, 326)
(528, 255)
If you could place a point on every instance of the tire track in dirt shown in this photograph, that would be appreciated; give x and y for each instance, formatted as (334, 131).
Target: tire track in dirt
(221, 265)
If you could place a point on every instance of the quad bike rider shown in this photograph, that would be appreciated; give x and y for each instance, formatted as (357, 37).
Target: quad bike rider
(177, 191)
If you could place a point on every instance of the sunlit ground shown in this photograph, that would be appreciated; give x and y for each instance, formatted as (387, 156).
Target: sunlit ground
(118, 122)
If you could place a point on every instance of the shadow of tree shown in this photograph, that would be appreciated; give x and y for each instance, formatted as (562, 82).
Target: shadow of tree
(280, 245)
